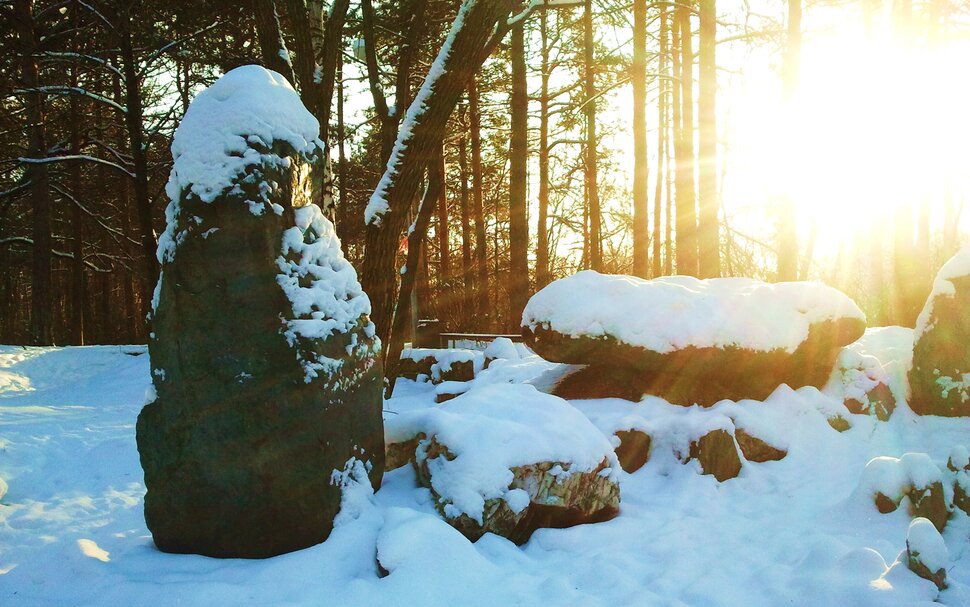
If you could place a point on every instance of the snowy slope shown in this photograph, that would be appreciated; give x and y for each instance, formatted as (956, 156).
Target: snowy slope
(791, 532)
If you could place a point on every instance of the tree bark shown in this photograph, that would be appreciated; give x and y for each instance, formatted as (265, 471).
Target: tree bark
(139, 155)
(41, 294)
(592, 161)
(77, 219)
(444, 250)
(467, 275)
(270, 37)
(686, 199)
(543, 276)
(518, 161)
(478, 207)
(709, 237)
(641, 169)
(662, 100)
(791, 68)
(459, 60)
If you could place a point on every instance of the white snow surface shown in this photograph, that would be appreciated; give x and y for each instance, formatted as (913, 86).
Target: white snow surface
(882, 355)
(957, 266)
(502, 348)
(493, 429)
(333, 301)
(674, 312)
(790, 532)
(210, 147)
(926, 544)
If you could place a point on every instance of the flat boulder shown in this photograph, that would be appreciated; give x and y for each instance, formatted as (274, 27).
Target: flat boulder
(508, 459)
(265, 366)
(440, 364)
(693, 341)
(940, 377)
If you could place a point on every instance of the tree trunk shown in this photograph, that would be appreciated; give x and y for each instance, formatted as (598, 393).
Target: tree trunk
(708, 231)
(589, 108)
(787, 232)
(271, 45)
(686, 200)
(467, 275)
(661, 137)
(444, 250)
(518, 161)
(641, 171)
(543, 276)
(482, 312)
(77, 218)
(673, 135)
(139, 155)
(412, 267)
(41, 295)
(459, 60)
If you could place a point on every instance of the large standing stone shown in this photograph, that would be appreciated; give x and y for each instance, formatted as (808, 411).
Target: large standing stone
(940, 377)
(265, 366)
(688, 340)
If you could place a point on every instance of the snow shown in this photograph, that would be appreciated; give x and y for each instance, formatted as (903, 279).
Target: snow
(926, 544)
(377, 206)
(959, 458)
(893, 477)
(502, 348)
(493, 429)
(957, 266)
(332, 300)
(444, 358)
(671, 313)
(882, 355)
(783, 533)
(216, 140)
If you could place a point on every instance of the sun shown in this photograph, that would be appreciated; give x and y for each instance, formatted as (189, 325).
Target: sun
(874, 126)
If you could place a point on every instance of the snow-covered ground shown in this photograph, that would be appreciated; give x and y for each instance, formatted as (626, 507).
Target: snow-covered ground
(793, 532)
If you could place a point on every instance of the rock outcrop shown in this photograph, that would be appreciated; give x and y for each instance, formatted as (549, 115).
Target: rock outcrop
(690, 341)
(940, 377)
(265, 366)
(508, 459)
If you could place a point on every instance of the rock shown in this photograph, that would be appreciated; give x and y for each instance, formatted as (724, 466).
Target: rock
(508, 459)
(548, 500)
(940, 377)
(634, 450)
(756, 450)
(401, 453)
(926, 552)
(440, 364)
(691, 341)
(879, 402)
(961, 491)
(915, 476)
(959, 459)
(265, 368)
(595, 381)
(717, 455)
(839, 423)
(930, 503)
(448, 390)
(869, 376)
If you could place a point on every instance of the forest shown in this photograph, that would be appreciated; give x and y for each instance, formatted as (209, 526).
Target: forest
(777, 140)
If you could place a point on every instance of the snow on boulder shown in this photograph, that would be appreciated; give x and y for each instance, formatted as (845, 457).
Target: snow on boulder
(958, 464)
(693, 341)
(3, 488)
(441, 364)
(508, 459)
(870, 373)
(927, 555)
(940, 377)
(501, 348)
(265, 366)
(887, 480)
